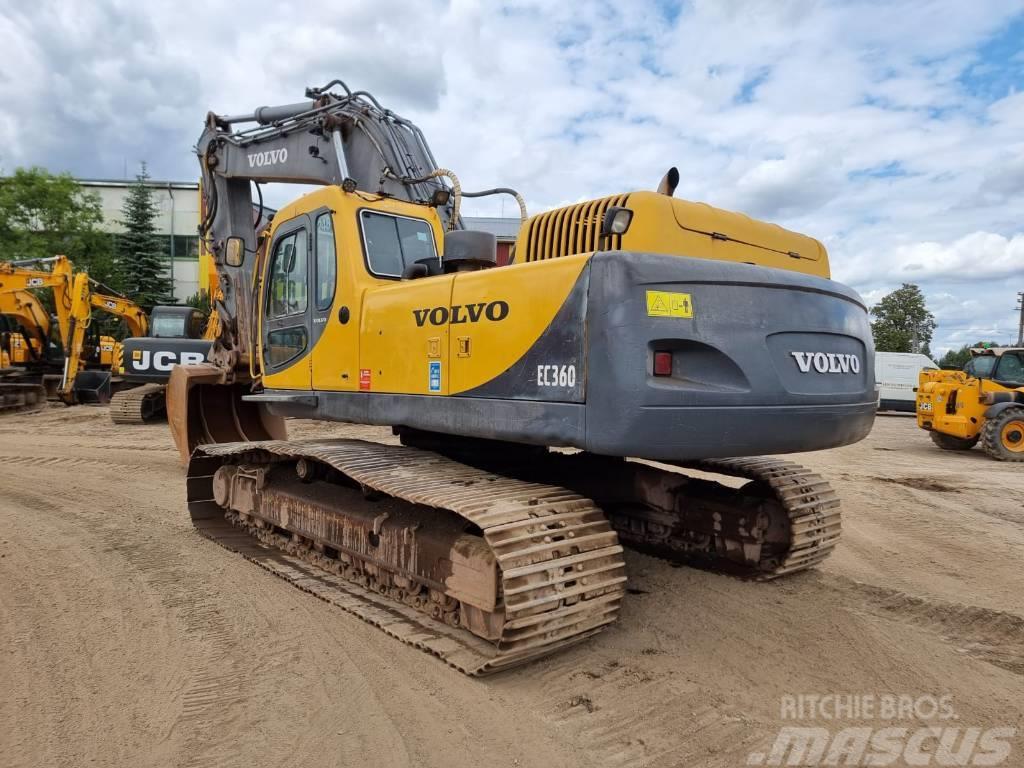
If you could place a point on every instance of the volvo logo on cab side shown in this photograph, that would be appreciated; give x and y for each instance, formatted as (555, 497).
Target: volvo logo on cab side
(826, 362)
(494, 311)
(270, 157)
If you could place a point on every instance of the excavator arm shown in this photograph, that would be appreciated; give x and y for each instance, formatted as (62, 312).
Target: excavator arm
(133, 315)
(340, 137)
(83, 301)
(27, 311)
(25, 275)
(344, 138)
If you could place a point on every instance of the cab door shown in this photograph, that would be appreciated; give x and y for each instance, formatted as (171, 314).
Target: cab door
(287, 308)
(336, 299)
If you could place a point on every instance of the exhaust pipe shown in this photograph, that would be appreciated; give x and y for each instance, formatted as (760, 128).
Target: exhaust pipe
(669, 182)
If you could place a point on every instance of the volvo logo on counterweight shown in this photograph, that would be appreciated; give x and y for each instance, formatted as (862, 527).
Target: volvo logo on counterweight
(826, 362)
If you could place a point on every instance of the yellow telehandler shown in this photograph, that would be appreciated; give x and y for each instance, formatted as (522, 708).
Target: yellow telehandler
(983, 403)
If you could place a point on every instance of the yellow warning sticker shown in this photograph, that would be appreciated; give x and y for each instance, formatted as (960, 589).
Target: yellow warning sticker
(667, 304)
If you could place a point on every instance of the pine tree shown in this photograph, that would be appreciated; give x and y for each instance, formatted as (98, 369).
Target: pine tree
(141, 261)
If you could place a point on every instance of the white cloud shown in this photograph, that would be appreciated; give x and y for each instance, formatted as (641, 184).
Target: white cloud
(847, 120)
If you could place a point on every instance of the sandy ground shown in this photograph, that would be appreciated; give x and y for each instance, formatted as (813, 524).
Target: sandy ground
(127, 639)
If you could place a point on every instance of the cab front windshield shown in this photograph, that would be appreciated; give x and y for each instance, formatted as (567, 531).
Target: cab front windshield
(167, 326)
(1010, 369)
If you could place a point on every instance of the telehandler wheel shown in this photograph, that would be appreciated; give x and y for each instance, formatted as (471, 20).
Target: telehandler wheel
(952, 443)
(1002, 437)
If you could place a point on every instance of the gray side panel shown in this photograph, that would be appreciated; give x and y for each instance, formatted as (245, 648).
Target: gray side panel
(907, 406)
(562, 344)
(513, 420)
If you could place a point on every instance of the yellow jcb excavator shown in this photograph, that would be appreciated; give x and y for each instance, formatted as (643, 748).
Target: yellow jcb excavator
(635, 325)
(79, 375)
(28, 359)
(79, 384)
(178, 336)
(27, 388)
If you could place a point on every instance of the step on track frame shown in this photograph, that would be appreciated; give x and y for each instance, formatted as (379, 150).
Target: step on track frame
(562, 572)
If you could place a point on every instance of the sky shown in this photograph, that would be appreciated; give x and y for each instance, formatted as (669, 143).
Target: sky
(892, 131)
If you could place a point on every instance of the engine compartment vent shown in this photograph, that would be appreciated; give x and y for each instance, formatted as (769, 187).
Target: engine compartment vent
(570, 230)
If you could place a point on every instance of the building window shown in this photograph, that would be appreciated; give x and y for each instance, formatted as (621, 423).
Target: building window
(184, 247)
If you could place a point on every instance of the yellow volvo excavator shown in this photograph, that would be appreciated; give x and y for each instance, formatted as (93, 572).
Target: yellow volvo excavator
(636, 325)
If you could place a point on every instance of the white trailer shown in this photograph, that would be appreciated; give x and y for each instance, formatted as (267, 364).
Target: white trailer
(896, 376)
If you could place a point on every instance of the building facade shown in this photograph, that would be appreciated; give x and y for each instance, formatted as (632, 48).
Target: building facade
(177, 222)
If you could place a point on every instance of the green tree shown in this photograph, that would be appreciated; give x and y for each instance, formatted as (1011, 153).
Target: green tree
(902, 321)
(141, 261)
(200, 301)
(42, 215)
(957, 358)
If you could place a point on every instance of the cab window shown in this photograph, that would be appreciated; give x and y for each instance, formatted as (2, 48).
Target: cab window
(285, 344)
(326, 262)
(981, 366)
(286, 292)
(167, 325)
(394, 242)
(1010, 369)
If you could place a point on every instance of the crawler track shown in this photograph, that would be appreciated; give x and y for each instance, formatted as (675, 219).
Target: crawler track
(138, 404)
(561, 567)
(21, 398)
(785, 520)
(811, 507)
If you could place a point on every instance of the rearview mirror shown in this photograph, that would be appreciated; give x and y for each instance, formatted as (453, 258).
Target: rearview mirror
(235, 252)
